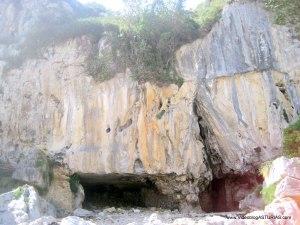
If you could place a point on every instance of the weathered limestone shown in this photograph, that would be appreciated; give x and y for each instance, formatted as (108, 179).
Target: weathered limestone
(248, 90)
(30, 166)
(289, 187)
(241, 89)
(116, 126)
(23, 205)
(60, 194)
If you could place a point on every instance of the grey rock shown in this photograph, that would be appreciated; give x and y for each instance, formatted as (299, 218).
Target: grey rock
(30, 166)
(247, 71)
(83, 213)
(23, 205)
(79, 197)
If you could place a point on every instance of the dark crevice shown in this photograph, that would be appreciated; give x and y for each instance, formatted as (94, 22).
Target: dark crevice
(126, 125)
(285, 116)
(160, 104)
(283, 90)
(213, 159)
(225, 191)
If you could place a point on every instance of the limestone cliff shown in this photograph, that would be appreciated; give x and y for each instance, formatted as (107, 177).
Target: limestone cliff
(247, 75)
(241, 89)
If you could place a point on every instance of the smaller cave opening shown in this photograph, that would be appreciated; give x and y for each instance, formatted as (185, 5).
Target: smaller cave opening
(224, 194)
(122, 191)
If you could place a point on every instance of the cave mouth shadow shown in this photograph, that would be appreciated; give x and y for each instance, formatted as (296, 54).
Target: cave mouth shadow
(122, 191)
(224, 194)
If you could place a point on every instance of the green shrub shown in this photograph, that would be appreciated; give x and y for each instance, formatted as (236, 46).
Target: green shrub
(18, 192)
(117, 21)
(98, 66)
(285, 12)
(144, 40)
(291, 140)
(207, 14)
(74, 183)
(148, 47)
(268, 193)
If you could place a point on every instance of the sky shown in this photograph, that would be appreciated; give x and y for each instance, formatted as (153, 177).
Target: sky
(118, 5)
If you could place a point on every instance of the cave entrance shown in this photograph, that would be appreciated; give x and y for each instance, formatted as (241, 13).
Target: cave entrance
(224, 194)
(121, 191)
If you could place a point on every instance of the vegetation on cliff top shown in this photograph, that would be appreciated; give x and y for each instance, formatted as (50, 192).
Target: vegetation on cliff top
(148, 36)
(286, 12)
(143, 39)
(291, 140)
(207, 14)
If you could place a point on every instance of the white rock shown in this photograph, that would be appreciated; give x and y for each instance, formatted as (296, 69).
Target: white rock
(23, 205)
(136, 210)
(110, 210)
(79, 197)
(183, 221)
(282, 167)
(74, 220)
(83, 213)
(46, 220)
(153, 220)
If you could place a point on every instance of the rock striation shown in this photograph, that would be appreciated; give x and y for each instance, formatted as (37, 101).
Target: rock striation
(241, 89)
(247, 75)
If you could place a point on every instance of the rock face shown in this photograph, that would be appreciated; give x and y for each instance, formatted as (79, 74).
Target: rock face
(116, 126)
(247, 72)
(241, 89)
(23, 205)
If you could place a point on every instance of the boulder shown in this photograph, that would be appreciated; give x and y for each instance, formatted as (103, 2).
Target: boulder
(28, 165)
(23, 205)
(83, 213)
(282, 167)
(289, 187)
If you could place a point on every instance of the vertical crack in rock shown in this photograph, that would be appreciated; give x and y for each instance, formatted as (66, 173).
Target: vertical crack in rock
(226, 189)
(213, 159)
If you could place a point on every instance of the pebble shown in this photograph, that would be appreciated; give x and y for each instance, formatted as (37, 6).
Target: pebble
(110, 210)
(136, 210)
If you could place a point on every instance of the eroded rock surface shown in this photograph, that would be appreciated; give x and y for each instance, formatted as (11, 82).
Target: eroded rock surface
(241, 89)
(247, 71)
(23, 205)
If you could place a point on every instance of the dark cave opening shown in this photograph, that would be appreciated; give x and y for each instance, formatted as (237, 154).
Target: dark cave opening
(224, 194)
(122, 191)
